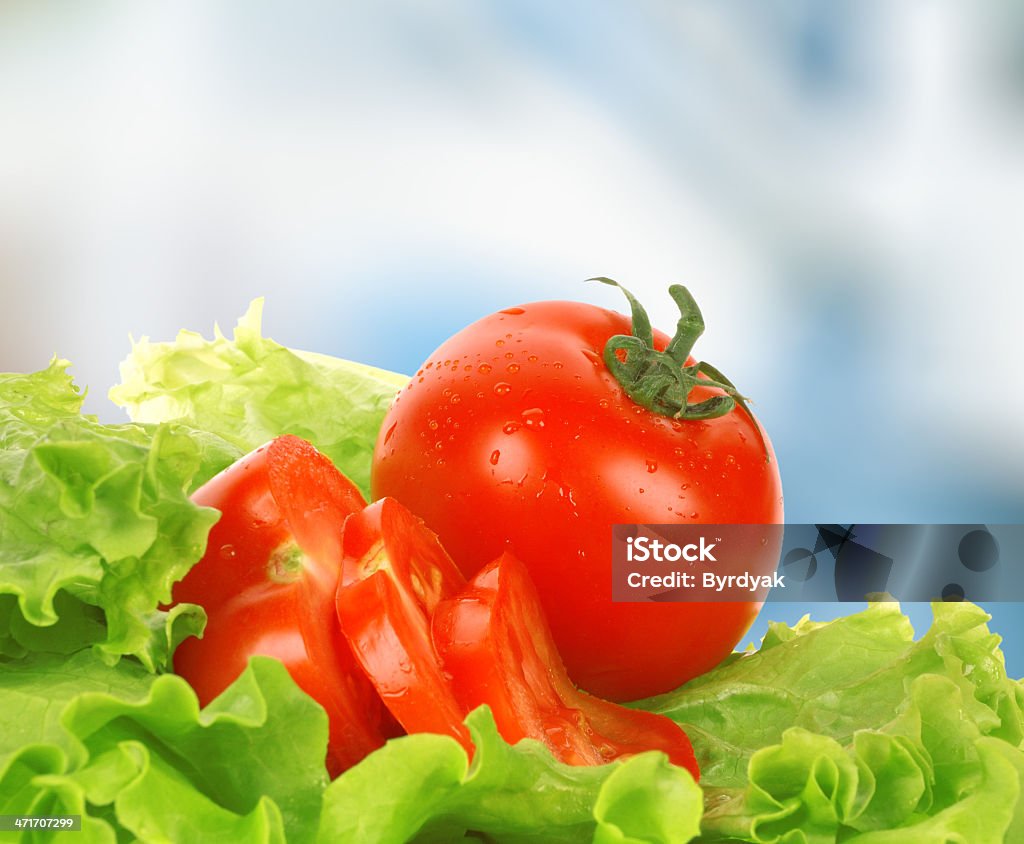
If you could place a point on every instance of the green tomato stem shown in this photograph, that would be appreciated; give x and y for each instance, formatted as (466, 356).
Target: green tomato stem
(662, 381)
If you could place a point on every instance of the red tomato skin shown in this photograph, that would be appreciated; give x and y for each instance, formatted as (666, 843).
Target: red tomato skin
(514, 435)
(281, 496)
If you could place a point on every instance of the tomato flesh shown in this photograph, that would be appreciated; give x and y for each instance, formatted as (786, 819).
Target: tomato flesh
(267, 582)
(394, 574)
(496, 644)
(515, 436)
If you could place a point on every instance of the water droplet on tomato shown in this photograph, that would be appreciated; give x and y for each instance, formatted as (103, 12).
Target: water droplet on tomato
(532, 358)
(694, 514)
(603, 403)
(495, 456)
(592, 356)
(499, 342)
(228, 551)
(512, 311)
(729, 460)
(455, 399)
(533, 418)
(652, 465)
(557, 365)
(483, 368)
(390, 433)
(502, 388)
(510, 427)
(512, 367)
(448, 363)
(432, 424)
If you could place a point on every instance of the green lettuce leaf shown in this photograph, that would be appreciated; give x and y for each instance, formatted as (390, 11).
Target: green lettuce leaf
(133, 754)
(424, 787)
(250, 389)
(840, 731)
(95, 523)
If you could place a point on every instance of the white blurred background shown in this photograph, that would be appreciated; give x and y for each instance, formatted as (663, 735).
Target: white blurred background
(841, 185)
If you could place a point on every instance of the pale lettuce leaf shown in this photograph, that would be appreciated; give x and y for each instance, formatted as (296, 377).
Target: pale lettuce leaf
(250, 389)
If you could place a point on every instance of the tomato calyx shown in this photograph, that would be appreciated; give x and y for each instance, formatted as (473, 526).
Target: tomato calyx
(287, 563)
(662, 381)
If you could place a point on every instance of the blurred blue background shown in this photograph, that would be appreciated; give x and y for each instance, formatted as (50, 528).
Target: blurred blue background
(840, 184)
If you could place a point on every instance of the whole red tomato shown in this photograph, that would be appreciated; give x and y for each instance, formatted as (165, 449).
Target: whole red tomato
(539, 427)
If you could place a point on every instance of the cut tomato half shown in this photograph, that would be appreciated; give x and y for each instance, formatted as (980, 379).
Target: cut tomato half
(497, 648)
(267, 582)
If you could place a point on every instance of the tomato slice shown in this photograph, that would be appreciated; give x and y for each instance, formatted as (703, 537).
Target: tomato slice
(267, 583)
(394, 574)
(495, 644)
